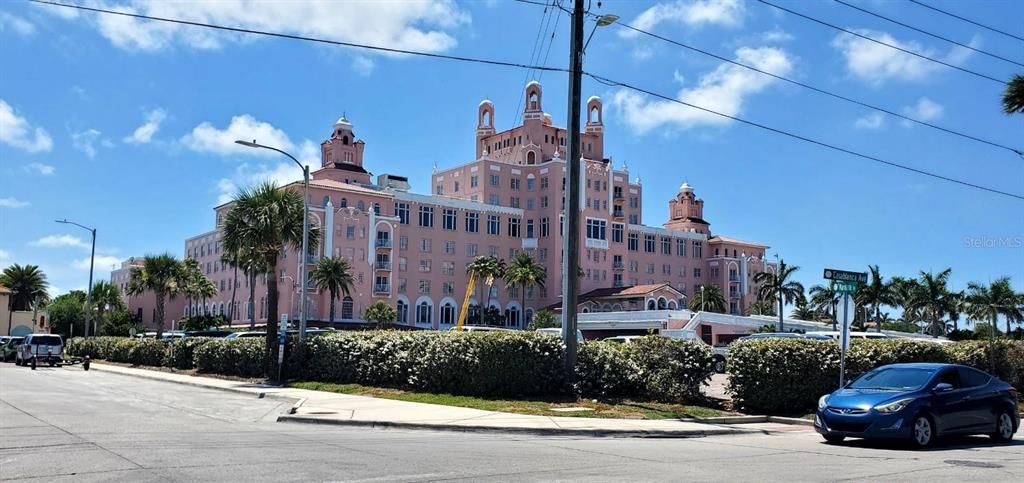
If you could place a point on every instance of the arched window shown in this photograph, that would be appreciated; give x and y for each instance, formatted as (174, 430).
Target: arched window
(651, 305)
(671, 304)
(222, 308)
(593, 115)
(344, 203)
(402, 312)
(662, 303)
(376, 208)
(529, 316)
(534, 104)
(346, 308)
(487, 119)
(513, 316)
(344, 140)
(448, 313)
(360, 205)
(327, 199)
(606, 308)
(617, 308)
(423, 313)
(531, 158)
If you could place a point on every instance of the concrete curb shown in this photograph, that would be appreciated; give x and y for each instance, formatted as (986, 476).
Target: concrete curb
(598, 433)
(793, 421)
(296, 402)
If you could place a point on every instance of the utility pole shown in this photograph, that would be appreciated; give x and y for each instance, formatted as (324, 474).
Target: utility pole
(88, 294)
(778, 287)
(571, 233)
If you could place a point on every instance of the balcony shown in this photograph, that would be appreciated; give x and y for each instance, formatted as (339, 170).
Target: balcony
(595, 243)
(381, 289)
(529, 243)
(312, 259)
(734, 278)
(618, 265)
(617, 284)
(383, 243)
(618, 214)
(382, 265)
(618, 196)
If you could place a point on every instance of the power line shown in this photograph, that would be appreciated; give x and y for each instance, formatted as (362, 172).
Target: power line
(925, 5)
(533, 53)
(551, 41)
(1017, 151)
(911, 27)
(614, 83)
(896, 47)
(312, 39)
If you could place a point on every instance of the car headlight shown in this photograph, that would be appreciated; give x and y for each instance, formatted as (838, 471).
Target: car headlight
(823, 401)
(894, 407)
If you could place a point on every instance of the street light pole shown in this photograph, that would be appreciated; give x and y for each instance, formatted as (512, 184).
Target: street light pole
(778, 287)
(304, 263)
(88, 293)
(702, 298)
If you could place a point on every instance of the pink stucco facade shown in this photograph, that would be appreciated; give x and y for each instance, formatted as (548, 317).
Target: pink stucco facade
(411, 250)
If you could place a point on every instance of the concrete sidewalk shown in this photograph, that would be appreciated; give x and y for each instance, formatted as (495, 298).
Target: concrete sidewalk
(343, 409)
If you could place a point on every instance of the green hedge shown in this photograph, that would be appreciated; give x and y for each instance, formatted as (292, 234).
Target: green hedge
(670, 370)
(147, 352)
(789, 375)
(604, 369)
(243, 357)
(181, 352)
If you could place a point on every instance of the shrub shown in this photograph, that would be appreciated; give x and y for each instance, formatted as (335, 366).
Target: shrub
(603, 369)
(978, 354)
(147, 352)
(181, 352)
(781, 375)
(865, 355)
(243, 357)
(670, 370)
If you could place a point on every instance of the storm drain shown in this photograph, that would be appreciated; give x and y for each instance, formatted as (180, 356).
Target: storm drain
(973, 464)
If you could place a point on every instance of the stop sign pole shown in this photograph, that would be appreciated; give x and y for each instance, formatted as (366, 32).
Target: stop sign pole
(846, 283)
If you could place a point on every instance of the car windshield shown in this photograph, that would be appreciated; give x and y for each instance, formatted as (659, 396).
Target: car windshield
(903, 378)
(46, 340)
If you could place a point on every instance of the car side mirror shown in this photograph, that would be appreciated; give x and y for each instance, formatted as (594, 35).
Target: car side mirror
(943, 387)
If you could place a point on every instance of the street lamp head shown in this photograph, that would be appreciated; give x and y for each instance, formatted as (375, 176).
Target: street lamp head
(606, 20)
(248, 144)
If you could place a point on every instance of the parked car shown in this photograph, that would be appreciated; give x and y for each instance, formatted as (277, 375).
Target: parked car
(208, 333)
(919, 402)
(557, 332)
(244, 335)
(9, 348)
(784, 335)
(622, 339)
(482, 328)
(835, 334)
(43, 348)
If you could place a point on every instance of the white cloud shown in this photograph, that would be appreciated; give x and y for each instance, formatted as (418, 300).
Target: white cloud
(16, 24)
(101, 263)
(13, 203)
(5, 258)
(85, 141)
(876, 63)
(874, 120)
(722, 90)
(410, 24)
(144, 133)
(642, 52)
(775, 36)
(57, 241)
(247, 175)
(688, 12)
(16, 131)
(362, 65)
(680, 78)
(43, 169)
(924, 110)
(206, 138)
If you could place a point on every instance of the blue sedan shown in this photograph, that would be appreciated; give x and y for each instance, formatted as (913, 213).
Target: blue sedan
(919, 402)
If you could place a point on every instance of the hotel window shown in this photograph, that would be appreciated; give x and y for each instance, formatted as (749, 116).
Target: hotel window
(544, 226)
(471, 249)
(529, 229)
(424, 286)
(403, 264)
(634, 219)
(425, 266)
(681, 247)
(650, 268)
(448, 219)
(425, 245)
(440, 190)
(495, 180)
(447, 288)
(456, 187)
(542, 254)
(634, 202)
(634, 266)
(493, 225)
(649, 243)
(514, 201)
(666, 269)
(544, 183)
(474, 181)
(529, 203)
(493, 199)
(402, 285)
(350, 232)
(617, 230)
(634, 242)
(449, 247)
(682, 271)
(472, 222)
(403, 242)
(427, 216)
(513, 227)
(596, 229)
(589, 183)
(544, 201)
(514, 184)
(666, 246)
(696, 273)
(448, 268)
(698, 249)
(492, 251)
(530, 182)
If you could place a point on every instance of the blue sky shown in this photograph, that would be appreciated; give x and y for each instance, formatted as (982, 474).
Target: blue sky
(126, 126)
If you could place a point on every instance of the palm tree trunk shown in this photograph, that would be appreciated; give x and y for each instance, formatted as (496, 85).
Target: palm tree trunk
(522, 309)
(272, 325)
(234, 288)
(878, 318)
(252, 302)
(992, 342)
(159, 314)
(333, 297)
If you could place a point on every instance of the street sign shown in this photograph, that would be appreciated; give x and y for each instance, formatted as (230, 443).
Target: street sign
(845, 287)
(844, 276)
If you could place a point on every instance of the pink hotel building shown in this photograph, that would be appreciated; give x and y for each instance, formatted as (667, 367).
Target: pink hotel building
(411, 250)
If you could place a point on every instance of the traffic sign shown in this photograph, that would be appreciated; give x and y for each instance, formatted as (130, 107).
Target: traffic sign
(845, 276)
(845, 287)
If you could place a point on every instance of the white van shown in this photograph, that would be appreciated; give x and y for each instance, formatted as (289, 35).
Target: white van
(834, 334)
(557, 332)
(43, 348)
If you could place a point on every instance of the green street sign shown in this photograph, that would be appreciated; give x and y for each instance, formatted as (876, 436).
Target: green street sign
(845, 287)
(845, 276)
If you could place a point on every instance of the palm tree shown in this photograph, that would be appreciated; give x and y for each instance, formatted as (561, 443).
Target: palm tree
(380, 314)
(803, 311)
(525, 273)
(957, 308)
(160, 274)
(825, 299)
(104, 294)
(709, 298)
(335, 276)
(1013, 97)
(190, 274)
(989, 302)
(204, 290)
(232, 260)
(772, 284)
(934, 299)
(486, 270)
(27, 284)
(905, 293)
(875, 293)
(266, 220)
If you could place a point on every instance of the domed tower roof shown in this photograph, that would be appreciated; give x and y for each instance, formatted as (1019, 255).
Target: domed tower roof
(343, 122)
(685, 187)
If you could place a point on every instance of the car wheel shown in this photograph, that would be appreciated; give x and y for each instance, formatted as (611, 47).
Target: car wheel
(1004, 427)
(833, 438)
(922, 431)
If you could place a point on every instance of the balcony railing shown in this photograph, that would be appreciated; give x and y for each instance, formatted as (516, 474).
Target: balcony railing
(382, 289)
(618, 214)
(381, 265)
(618, 196)
(734, 278)
(617, 284)
(383, 243)
(618, 265)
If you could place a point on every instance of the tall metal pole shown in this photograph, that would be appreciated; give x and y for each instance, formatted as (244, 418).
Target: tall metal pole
(88, 294)
(778, 287)
(702, 298)
(571, 232)
(305, 252)
(844, 339)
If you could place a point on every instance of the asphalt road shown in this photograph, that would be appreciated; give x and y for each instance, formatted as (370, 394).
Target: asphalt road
(66, 424)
